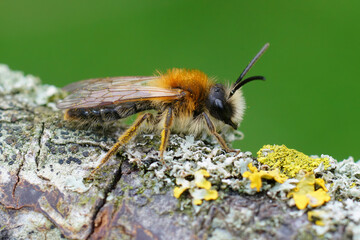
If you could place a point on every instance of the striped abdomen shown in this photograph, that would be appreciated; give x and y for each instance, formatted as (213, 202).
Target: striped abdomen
(107, 113)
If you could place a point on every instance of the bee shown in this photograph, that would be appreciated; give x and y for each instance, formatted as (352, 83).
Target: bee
(186, 101)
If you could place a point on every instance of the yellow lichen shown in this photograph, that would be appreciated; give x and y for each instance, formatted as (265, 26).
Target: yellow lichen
(197, 201)
(255, 176)
(304, 194)
(178, 191)
(211, 195)
(203, 194)
(321, 183)
(316, 216)
(199, 188)
(200, 180)
(289, 161)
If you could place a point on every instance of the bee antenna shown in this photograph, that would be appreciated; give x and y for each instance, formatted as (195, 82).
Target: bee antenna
(249, 79)
(239, 81)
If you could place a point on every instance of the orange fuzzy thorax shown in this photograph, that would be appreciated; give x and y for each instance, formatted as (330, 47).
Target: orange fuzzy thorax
(195, 82)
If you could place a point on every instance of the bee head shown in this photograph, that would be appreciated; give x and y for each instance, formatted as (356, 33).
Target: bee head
(229, 106)
(218, 105)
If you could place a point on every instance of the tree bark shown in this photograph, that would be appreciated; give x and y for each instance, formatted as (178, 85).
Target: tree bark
(44, 193)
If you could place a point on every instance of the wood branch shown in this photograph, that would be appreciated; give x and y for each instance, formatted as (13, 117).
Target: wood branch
(44, 193)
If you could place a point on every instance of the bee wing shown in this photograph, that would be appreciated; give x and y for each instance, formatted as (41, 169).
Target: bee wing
(101, 83)
(90, 96)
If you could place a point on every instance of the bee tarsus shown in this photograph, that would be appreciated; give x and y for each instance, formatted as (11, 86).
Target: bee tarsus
(165, 133)
(123, 139)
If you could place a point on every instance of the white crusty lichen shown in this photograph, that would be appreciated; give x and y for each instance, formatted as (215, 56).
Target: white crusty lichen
(344, 208)
(187, 155)
(344, 179)
(27, 88)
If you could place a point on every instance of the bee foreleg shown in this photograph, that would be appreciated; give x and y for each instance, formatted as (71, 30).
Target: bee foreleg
(212, 130)
(124, 138)
(165, 133)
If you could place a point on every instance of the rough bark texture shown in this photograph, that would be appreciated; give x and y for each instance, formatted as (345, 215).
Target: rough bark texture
(44, 194)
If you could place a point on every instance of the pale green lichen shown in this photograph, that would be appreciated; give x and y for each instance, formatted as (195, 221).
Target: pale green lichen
(344, 179)
(188, 155)
(336, 213)
(27, 88)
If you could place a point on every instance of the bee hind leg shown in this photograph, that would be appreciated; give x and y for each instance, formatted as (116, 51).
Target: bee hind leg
(123, 139)
(165, 133)
(212, 130)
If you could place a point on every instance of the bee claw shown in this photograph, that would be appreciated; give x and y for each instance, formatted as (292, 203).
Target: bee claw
(90, 177)
(237, 151)
(92, 174)
(164, 164)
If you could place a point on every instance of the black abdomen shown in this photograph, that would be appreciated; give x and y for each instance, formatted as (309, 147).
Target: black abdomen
(108, 113)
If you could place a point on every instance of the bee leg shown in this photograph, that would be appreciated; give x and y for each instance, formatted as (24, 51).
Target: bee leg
(212, 130)
(165, 133)
(123, 139)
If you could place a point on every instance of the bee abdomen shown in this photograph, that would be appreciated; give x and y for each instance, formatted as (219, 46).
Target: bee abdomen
(91, 114)
(108, 113)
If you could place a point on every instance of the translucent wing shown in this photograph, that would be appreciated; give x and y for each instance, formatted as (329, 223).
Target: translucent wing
(108, 82)
(108, 91)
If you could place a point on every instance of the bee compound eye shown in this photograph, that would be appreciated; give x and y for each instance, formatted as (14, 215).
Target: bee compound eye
(218, 103)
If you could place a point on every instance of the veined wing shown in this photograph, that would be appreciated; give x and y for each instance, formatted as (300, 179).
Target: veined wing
(103, 83)
(89, 96)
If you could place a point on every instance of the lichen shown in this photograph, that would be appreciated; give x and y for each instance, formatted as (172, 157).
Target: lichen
(255, 176)
(27, 89)
(305, 192)
(335, 214)
(316, 216)
(292, 164)
(187, 155)
(344, 179)
(199, 188)
(289, 161)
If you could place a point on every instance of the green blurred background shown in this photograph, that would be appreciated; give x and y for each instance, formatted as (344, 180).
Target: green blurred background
(309, 102)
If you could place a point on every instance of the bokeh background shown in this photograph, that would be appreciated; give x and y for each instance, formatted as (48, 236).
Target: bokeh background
(309, 102)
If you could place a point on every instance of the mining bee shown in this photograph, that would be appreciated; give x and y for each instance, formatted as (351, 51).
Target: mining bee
(186, 101)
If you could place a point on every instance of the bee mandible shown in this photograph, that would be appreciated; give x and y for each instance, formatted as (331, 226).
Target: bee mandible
(185, 100)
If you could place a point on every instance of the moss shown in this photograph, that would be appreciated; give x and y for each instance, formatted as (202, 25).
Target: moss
(85, 200)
